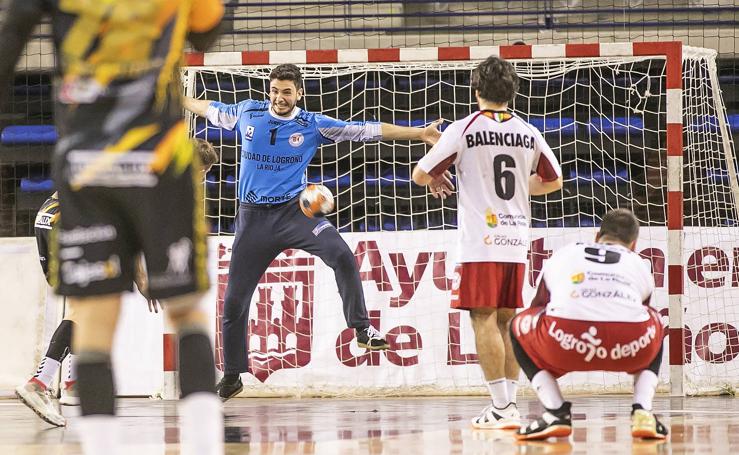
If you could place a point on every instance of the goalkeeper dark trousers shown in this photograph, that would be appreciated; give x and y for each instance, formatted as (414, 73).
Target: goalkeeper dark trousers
(263, 232)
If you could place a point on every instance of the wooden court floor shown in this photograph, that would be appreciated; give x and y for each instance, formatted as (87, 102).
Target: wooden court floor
(436, 425)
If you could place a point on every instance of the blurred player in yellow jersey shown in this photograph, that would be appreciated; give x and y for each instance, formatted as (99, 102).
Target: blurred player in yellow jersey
(126, 175)
(34, 393)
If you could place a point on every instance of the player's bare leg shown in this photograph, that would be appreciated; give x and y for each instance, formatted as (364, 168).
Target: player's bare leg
(491, 351)
(201, 417)
(512, 370)
(93, 340)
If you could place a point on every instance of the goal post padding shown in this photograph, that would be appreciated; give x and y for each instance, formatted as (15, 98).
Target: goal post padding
(635, 125)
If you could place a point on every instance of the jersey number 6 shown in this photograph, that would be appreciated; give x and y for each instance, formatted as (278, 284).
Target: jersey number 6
(505, 180)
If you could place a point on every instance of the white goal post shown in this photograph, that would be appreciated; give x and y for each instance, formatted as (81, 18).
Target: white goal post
(635, 125)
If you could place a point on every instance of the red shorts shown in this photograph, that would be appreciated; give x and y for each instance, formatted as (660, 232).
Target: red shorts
(488, 285)
(562, 346)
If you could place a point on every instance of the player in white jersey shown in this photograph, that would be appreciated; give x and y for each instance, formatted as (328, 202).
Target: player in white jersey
(591, 313)
(500, 160)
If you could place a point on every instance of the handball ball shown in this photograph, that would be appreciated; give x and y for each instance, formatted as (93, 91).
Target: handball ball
(316, 200)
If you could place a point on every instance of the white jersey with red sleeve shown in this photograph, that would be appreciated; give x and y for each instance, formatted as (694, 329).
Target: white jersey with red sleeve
(595, 282)
(494, 152)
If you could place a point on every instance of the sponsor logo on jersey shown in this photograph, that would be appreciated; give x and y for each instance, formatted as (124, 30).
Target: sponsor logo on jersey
(490, 218)
(296, 139)
(84, 235)
(511, 219)
(71, 253)
(494, 138)
(111, 170)
(587, 344)
(82, 273)
(275, 199)
(578, 278)
(527, 323)
(44, 220)
(178, 255)
(502, 240)
(178, 266)
(630, 349)
(592, 293)
(590, 347)
(249, 133)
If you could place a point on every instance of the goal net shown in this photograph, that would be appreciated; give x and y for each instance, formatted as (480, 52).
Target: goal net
(637, 126)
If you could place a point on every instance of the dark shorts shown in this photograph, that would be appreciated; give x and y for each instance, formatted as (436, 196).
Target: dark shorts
(146, 201)
(488, 285)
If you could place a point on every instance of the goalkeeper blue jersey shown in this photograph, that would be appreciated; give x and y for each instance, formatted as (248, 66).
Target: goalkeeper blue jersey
(276, 150)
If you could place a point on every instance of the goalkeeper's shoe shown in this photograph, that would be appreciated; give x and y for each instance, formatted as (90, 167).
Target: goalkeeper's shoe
(645, 425)
(35, 397)
(370, 338)
(554, 423)
(492, 418)
(227, 389)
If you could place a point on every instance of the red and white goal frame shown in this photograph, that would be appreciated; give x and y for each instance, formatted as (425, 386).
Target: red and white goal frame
(671, 52)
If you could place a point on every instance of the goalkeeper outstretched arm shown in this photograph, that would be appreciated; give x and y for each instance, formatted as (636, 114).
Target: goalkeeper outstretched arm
(197, 107)
(429, 134)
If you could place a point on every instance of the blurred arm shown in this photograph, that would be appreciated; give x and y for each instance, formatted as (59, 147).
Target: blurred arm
(20, 20)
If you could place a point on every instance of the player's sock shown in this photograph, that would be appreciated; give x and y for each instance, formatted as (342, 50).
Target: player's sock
(99, 434)
(58, 348)
(99, 428)
(45, 372)
(547, 390)
(95, 384)
(512, 386)
(201, 424)
(197, 369)
(71, 370)
(498, 392)
(201, 418)
(645, 385)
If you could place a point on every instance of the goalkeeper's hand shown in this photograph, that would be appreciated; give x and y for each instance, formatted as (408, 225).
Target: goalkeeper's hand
(431, 133)
(442, 186)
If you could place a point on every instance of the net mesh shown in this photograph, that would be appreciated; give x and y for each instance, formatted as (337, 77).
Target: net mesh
(605, 119)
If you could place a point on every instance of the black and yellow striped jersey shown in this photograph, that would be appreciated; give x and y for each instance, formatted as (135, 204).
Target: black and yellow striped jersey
(46, 218)
(117, 64)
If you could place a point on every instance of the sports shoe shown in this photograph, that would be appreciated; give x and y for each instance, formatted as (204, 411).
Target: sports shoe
(370, 338)
(69, 394)
(554, 423)
(229, 389)
(492, 418)
(645, 425)
(36, 398)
